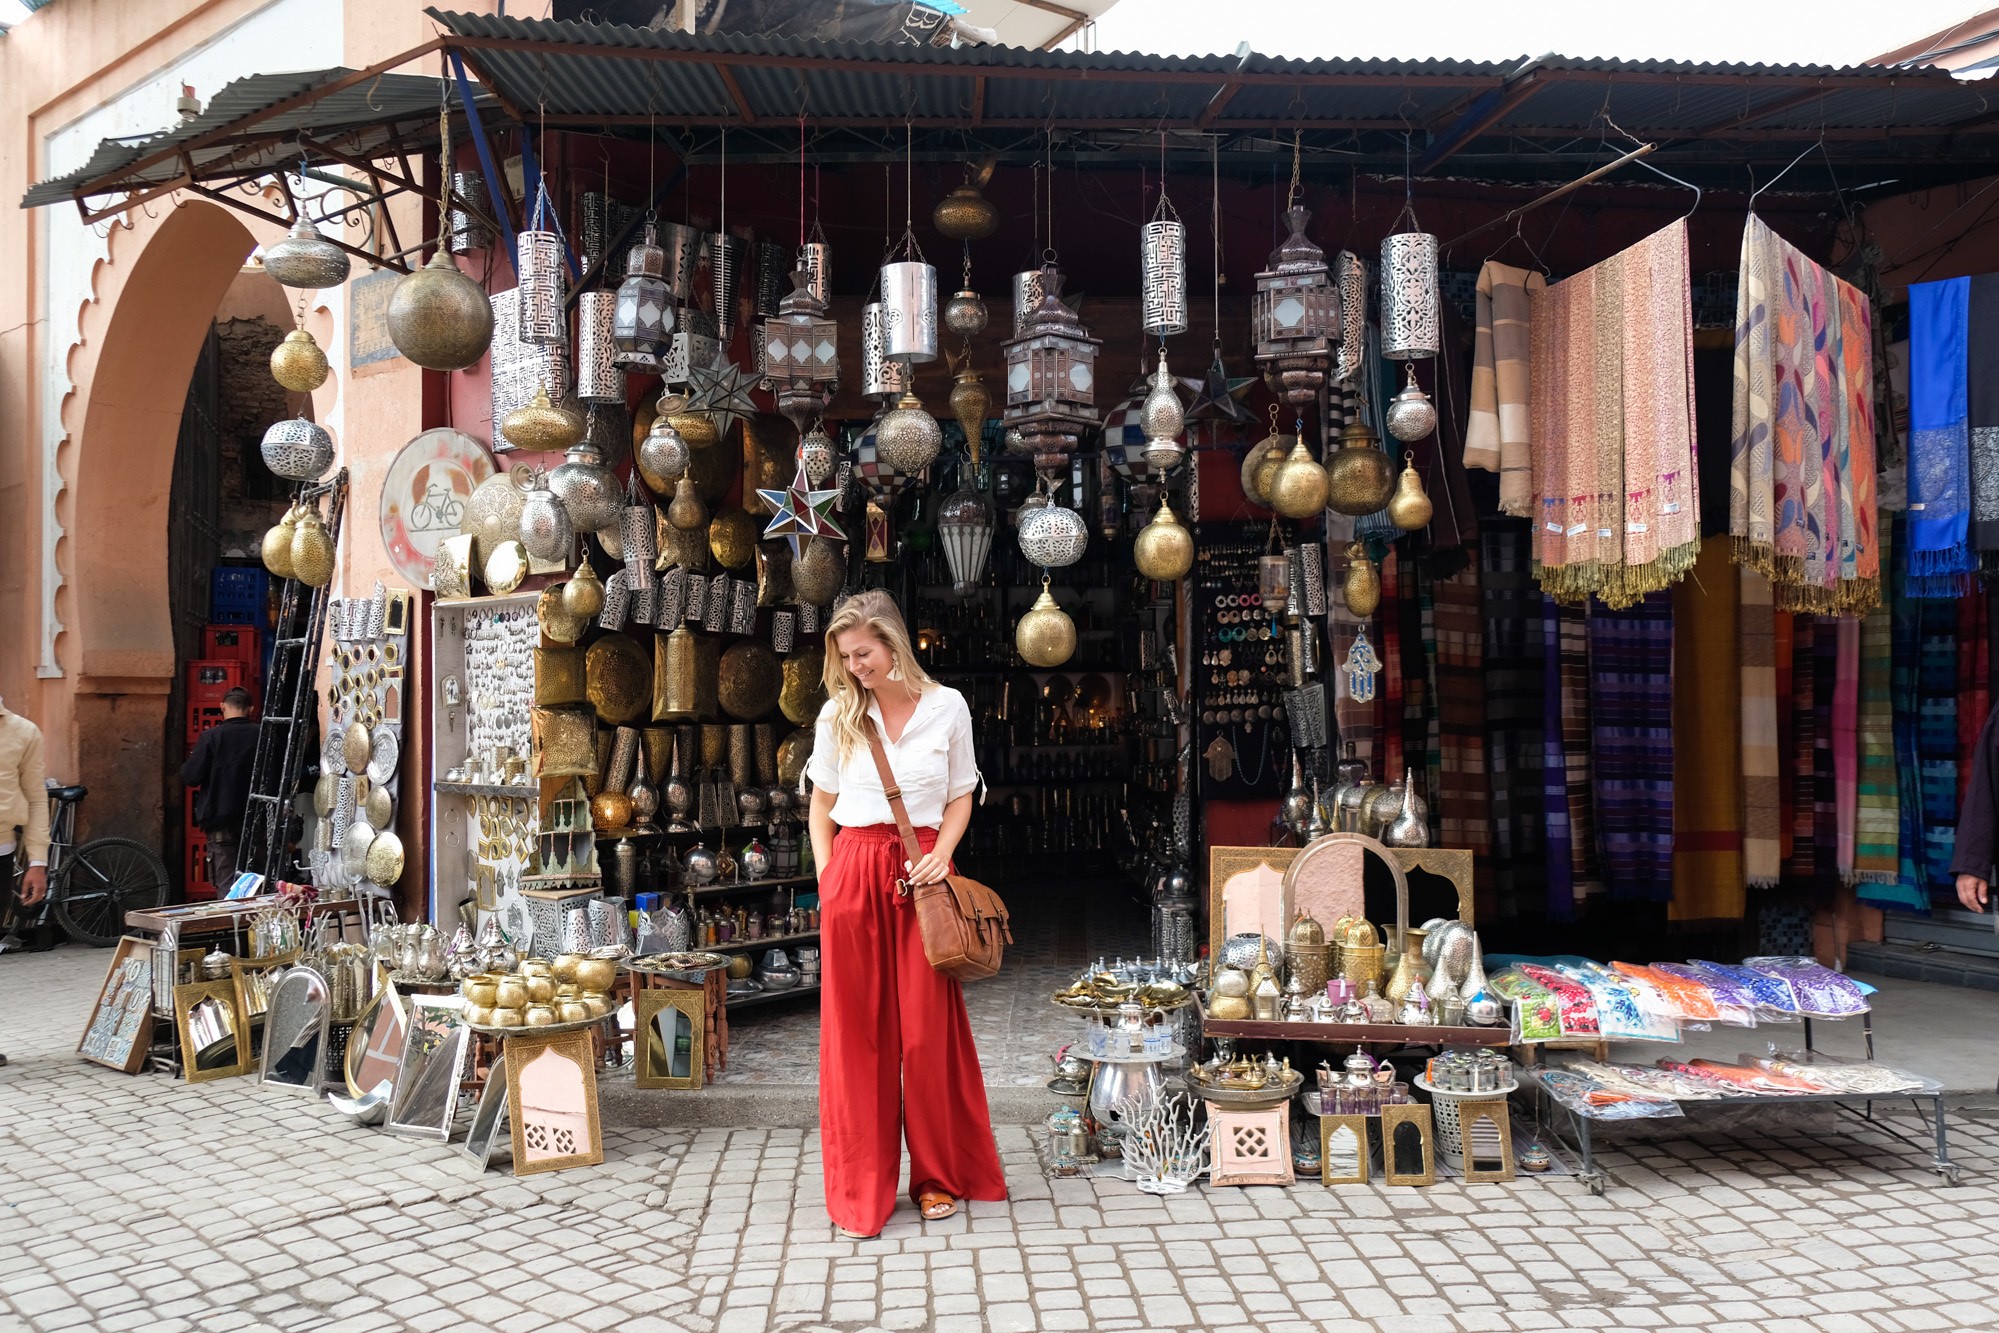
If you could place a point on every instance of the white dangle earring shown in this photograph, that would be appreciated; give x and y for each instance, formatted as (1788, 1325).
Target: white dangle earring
(895, 668)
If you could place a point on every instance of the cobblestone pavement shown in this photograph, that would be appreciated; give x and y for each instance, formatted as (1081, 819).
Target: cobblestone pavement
(140, 1203)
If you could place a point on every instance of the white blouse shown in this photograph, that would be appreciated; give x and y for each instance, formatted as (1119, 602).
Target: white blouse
(933, 763)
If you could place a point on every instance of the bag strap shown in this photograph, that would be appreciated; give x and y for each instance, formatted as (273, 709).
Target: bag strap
(910, 846)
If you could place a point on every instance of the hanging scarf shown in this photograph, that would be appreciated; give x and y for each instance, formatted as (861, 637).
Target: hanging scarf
(1498, 435)
(1466, 809)
(1611, 386)
(1799, 863)
(1905, 890)
(1751, 493)
(1631, 707)
(1555, 770)
(1825, 800)
(1820, 482)
(1982, 359)
(1708, 796)
(1860, 520)
(1940, 553)
(1846, 743)
(1514, 717)
(1875, 822)
(1783, 639)
(1936, 740)
(1762, 788)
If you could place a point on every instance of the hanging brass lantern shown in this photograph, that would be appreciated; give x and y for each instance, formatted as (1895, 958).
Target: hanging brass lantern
(907, 437)
(305, 258)
(965, 214)
(1045, 636)
(278, 544)
(583, 595)
(1051, 387)
(661, 457)
(686, 512)
(698, 429)
(587, 489)
(1410, 415)
(312, 550)
(1362, 588)
(1164, 419)
(801, 353)
(969, 404)
(818, 572)
(1410, 507)
(1259, 465)
(1298, 487)
(1273, 583)
(542, 427)
(817, 452)
(297, 363)
(1360, 477)
(1165, 548)
(642, 316)
(965, 314)
(1295, 317)
(439, 317)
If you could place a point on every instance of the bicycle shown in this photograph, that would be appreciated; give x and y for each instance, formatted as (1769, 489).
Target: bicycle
(91, 887)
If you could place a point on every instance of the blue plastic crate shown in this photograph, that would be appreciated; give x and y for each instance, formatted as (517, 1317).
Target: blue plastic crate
(238, 594)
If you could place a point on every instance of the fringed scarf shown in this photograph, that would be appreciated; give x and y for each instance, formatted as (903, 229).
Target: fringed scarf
(1982, 360)
(1846, 742)
(1708, 805)
(1875, 821)
(1940, 553)
(1514, 717)
(1617, 513)
(1631, 706)
(1762, 787)
(1498, 436)
(1801, 475)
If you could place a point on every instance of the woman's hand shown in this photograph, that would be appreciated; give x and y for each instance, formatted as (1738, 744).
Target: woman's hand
(930, 870)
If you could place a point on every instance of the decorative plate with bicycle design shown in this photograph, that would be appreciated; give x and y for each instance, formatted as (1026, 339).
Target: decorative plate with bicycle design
(424, 495)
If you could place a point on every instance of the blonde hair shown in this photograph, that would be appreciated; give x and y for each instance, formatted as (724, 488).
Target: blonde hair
(875, 612)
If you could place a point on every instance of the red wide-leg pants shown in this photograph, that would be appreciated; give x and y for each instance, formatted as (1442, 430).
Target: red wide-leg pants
(884, 1011)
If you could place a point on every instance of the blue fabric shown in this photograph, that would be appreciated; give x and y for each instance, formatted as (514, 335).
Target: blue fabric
(1940, 554)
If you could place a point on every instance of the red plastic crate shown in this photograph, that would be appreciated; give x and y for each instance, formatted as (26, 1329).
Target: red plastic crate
(211, 678)
(234, 643)
(196, 877)
(200, 717)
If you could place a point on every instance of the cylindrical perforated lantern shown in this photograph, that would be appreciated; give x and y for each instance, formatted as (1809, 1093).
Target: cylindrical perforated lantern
(598, 379)
(1410, 311)
(880, 377)
(1162, 254)
(539, 258)
(909, 312)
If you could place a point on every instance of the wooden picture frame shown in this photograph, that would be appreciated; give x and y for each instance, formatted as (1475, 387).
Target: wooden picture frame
(552, 1102)
(1224, 865)
(1250, 1147)
(652, 1065)
(1497, 1114)
(1331, 1127)
(1394, 1118)
(195, 998)
(119, 1037)
(1451, 863)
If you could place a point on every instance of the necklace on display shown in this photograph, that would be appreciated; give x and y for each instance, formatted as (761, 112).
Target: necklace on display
(1262, 758)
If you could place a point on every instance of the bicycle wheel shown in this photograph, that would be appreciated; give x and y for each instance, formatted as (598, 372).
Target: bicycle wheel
(101, 881)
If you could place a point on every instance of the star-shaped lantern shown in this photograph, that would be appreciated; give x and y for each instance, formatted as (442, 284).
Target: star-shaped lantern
(721, 392)
(1219, 395)
(798, 512)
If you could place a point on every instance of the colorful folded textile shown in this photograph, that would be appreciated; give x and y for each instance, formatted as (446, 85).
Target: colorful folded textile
(1940, 553)
(1689, 1000)
(1498, 437)
(1620, 1015)
(1617, 499)
(1773, 995)
(1820, 991)
(1846, 743)
(1515, 718)
(1734, 1003)
(1572, 1000)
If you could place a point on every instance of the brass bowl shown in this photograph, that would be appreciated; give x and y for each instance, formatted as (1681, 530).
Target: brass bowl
(596, 975)
(478, 1016)
(541, 990)
(480, 991)
(537, 1016)
(507, 1018)
(597, 1005)
(572, 1011)
(739, 967)
(564, 967)
(511, 993)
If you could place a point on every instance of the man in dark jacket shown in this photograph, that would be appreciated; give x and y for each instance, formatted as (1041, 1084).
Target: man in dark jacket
(220, 767)
(1978, 822)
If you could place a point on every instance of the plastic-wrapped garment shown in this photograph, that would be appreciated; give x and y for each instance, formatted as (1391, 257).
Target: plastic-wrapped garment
(1536, 1014)
(1687, 1001)
(1773, 995)
(1734, 1004)
(1820, 991)
(1749, 1078)
(1865, 1079)
(1649, 1080)
(1578, 1009)
(1588, 1097)
(1622, 1015)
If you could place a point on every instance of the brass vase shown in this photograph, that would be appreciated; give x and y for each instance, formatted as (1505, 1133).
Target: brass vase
(1410, 507)
(686, 512)
(1165, 548)
(1362, 588)
(1299, 486)
(312, 551)
(278, 544)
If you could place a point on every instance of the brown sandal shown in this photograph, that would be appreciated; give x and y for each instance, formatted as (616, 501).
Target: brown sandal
(936, 1205)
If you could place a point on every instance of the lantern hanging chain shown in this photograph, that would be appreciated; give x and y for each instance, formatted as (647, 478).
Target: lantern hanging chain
(907, 247)
(1297, 138)
(443, 171)
(1215, 231)
(652, 160)
(1049, 254)
(801, 180)
(1408, 187)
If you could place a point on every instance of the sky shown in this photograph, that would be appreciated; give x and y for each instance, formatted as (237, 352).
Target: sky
(1835, 32)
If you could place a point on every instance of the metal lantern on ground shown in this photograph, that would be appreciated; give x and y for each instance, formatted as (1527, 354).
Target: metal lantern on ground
(598, 379)
(1295, 318)
(643, 314)
(1411, 313)
(965, 530)
(306, 259)
(801, 353)
(1051, 385)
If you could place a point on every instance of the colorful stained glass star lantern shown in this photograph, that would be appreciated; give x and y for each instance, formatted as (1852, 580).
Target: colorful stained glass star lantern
(1051, 378)
(799, 511)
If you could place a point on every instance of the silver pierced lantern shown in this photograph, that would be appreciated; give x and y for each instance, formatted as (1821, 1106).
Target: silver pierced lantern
(589, 491)
(638, 532)
(684, 247)
(662, 456)
(965, 530)
(1411, 415)
(1052, 536)
(539, 259)
(1352, 271)
(305, 258)
(816, 258)
(726, 256)
(546, 531)
(907, 438)
(773, 269)
(1164, 419)
(965, 314)
(1410, 311)
(817, 453)
(880, 377)
(598, 379)
(801, 353)
(298, 450)
(520, 369)
(617, 601)
(467, 232)
(909, 311)
(1295, 317)
(1162, 258)
(1026, 298)
(694, 345)
(1051, 386)
(644, 310)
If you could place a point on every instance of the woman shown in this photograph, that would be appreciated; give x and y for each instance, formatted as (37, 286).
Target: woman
(884, 1009)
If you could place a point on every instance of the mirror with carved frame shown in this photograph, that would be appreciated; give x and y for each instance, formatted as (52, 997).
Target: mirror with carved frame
(375, 1048)
(1246, 893)
(668, 1027)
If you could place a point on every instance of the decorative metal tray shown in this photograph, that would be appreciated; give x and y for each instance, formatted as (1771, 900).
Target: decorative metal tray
(1248, 1099)
(1110, 1013)
(692, 967)
(574, 1025)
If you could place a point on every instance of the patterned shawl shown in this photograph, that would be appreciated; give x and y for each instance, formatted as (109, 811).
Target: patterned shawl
(1982, 361)
(1846, 742)
(1617, 504)
(1463, 785)
(1498, 435)
(1514, 718)
(1631, 705)
(1906, 890)
(1762, 787)
(1940, 553)
(1874, 850)
(1708, 804)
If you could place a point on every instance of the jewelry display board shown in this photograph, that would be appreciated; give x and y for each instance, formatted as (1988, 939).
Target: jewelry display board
(1240, 666)
(121, 1022)
(353, 841)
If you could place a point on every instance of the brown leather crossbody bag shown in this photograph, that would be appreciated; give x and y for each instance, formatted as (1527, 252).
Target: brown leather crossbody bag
(964, 923)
